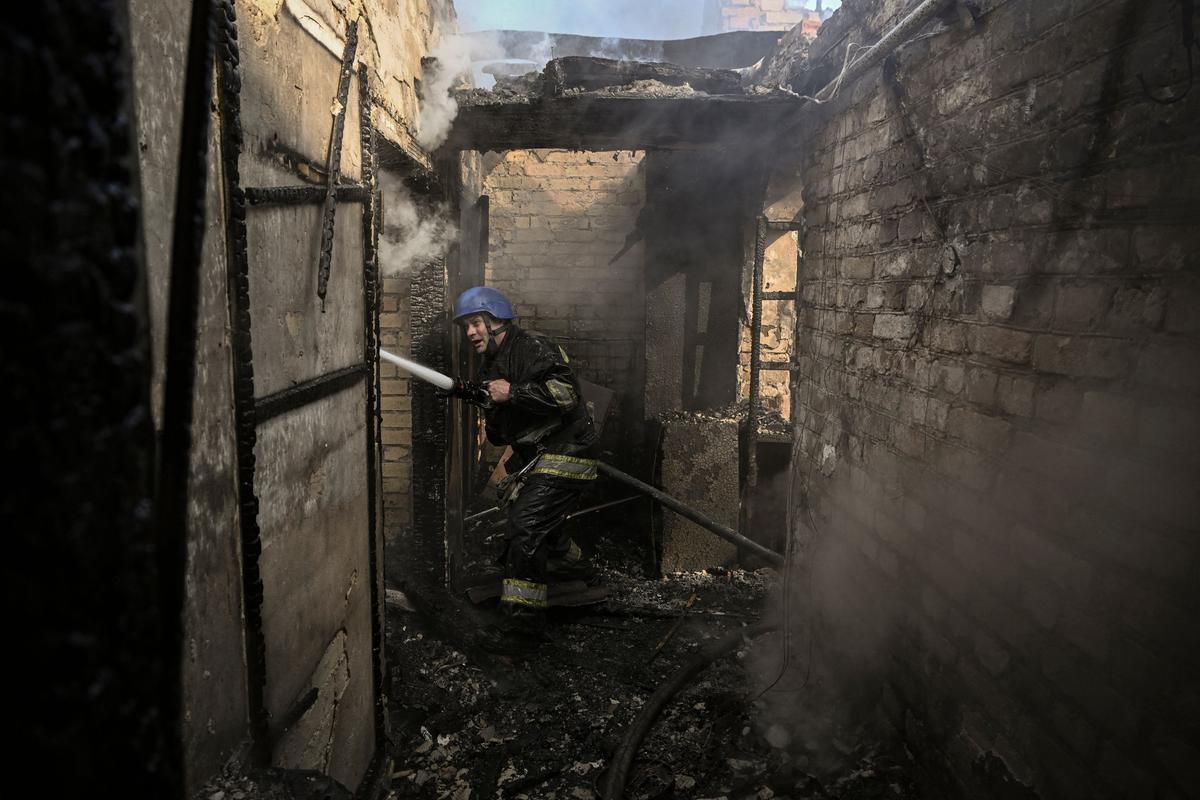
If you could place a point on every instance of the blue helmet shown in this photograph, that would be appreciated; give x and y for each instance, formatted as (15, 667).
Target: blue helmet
(482, 300)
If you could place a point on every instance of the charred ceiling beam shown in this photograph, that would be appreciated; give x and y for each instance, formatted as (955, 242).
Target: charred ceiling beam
(600, 121)
(407, 161)
(396, 149)
(720, 51)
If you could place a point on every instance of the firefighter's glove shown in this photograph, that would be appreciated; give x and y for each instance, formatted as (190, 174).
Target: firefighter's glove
(468, 391)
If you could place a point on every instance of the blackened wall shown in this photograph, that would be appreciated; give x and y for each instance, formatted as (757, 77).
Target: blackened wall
(1001, 365)
(94, 677)
(214, 674)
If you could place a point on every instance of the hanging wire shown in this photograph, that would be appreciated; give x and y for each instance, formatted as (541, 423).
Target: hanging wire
(837, 83)
(1188, 36)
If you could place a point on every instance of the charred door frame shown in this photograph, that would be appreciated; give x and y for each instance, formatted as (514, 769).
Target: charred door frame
(249, 411)
(466, 265)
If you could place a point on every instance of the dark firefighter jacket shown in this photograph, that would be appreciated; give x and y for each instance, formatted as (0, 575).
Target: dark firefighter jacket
(546, 411)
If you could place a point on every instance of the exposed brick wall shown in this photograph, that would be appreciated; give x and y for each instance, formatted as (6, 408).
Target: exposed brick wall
(1010, 442)
(759, 15)
(777, 337)
(557, 219)
(396, 405)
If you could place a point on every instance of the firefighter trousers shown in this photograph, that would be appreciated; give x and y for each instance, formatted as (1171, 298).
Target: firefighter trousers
(536, 533)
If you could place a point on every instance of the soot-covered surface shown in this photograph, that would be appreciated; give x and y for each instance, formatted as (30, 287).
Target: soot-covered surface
(473, 726)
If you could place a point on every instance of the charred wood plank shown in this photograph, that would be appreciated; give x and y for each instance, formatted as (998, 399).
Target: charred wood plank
(334, 168)
(237, 259)
(309, 391)
(303, 195)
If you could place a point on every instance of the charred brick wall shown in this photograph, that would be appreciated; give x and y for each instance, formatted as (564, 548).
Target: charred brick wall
(997, 410)
(557, 219)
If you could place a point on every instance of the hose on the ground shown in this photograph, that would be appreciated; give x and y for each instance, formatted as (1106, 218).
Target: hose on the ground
(622, 760)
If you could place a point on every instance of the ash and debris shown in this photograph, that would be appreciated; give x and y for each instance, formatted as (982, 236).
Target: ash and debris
(508, 89)
(650, 89)
(238, 783)
(570, 77)
(527, 89)
(544, 728)
(784, 68)
(770, 421)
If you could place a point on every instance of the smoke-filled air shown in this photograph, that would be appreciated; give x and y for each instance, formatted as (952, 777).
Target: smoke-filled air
(412, 234)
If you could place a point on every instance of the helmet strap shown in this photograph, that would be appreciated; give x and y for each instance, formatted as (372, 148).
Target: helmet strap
(492, 346)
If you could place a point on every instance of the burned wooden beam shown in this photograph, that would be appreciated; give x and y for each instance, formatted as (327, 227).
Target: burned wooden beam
(310, 391)
(333, 170)
(580, 73)
(303, 195)
(601, 121)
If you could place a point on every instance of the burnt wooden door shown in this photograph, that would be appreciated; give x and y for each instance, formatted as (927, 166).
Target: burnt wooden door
(301, 219)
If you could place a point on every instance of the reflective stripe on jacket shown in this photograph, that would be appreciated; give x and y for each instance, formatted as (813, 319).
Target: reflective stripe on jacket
(524, 593)
(560, 466)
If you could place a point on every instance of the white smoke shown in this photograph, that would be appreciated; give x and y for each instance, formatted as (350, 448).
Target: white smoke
(454, 56)
(413, 235)
(630, 19)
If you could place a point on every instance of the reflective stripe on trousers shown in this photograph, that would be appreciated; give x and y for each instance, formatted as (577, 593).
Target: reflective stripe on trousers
(583, 469)
(524, 593)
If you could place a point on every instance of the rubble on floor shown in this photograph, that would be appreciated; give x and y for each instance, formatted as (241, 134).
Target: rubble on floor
(476, 727)
(237, 783)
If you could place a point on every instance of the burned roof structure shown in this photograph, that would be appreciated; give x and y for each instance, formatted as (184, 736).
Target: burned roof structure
(588, 103)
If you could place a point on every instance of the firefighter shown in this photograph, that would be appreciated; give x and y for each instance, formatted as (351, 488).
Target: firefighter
(536, 407)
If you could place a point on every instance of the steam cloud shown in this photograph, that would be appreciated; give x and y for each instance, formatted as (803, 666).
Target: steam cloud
(635, 19)
(455, 54)
(412, 235)
(838, 639)
(628, 19)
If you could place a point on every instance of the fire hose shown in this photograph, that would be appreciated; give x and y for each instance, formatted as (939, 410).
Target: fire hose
(617, 774)
(471, 392)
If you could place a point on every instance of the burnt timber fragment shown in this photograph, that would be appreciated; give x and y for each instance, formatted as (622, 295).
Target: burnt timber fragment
(581, 73)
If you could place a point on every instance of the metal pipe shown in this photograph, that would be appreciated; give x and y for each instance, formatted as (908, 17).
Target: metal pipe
(603, 506)
(726, 533)
(889, 42)
(752, 413)
(443, 382)
(571, 516)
